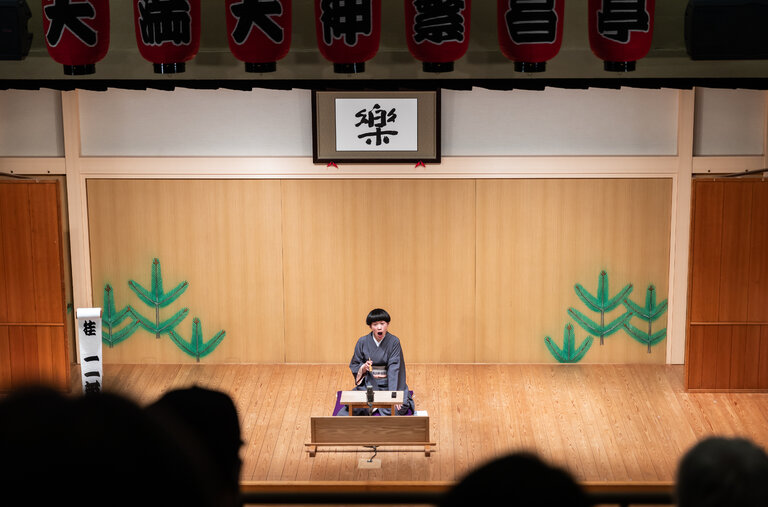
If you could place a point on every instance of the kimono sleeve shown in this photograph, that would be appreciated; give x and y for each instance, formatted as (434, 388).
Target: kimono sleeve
(394, 363)
(358, 358)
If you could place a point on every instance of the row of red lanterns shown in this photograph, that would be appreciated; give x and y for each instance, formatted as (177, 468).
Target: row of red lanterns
(348, 32)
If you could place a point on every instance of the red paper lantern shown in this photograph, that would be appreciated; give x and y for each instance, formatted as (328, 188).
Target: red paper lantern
(259, 32)
(620, 32)
(437, 32)
(76, 33)
(530, 33)
(348, 32)
(167, 32)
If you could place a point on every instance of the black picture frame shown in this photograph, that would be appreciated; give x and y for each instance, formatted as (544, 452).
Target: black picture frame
(324, 129)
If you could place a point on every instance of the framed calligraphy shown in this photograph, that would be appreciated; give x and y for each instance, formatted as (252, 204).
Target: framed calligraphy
(376, 126)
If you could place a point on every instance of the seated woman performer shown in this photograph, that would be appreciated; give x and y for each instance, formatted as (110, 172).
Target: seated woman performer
(378, 361)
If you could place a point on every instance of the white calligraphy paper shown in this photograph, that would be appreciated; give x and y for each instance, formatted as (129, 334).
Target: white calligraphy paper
(376, 124)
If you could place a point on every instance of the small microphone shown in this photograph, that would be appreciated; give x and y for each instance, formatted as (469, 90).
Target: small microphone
(369, 396)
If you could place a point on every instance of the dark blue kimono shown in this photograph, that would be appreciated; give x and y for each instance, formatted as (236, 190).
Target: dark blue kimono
(388, 362)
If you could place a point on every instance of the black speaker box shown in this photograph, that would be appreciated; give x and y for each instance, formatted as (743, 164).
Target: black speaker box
(726, 29)
(15, 38)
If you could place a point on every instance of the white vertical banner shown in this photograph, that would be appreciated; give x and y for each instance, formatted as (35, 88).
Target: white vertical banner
(89, 336)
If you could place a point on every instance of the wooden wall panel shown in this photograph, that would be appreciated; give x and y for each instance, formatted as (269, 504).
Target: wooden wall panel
(31, 353)
(222, 237)
(757, 302)
(46, 253)
(60, 349)
(18, 371)
(5, 357)
(762, 373)
(471, 271)
(34, 355)
(694, 357)
(706, 248)
(745, 357)
(709, 360)
(17, 253)
(722, 356)
(52, 344)
(729, 282)
(538, 238)
(4, 284)
(406, 246)
(727, 357)
(734, 261)
(33, 342)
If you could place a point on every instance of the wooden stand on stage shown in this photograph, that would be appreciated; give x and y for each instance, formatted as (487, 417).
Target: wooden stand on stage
(370, 431)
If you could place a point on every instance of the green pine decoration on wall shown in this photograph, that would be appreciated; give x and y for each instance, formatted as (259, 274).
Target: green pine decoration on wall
(568, 354)
(602, 303)
(157, 299)
(197, 347)
(111, 319)
(649, 313)
(164, 327)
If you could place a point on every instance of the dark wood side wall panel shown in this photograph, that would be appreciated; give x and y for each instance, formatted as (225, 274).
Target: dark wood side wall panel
(734, 262)
(3, 263)
(762, 375)
(46, 253)
(706, 251)
(5, 356)
(745, 357)
(33, 344)
(17, 252)
(722, 357)
(727, 346)
(757, 304)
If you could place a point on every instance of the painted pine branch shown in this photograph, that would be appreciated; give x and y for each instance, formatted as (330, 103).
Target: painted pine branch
(156, 297)
(123, 334)
(601, 303)
(160, 328)
(592, 327)
(651, 311)
(112, 318)
(568, 354)
(648, 313)
(646, 338)
(197, 347)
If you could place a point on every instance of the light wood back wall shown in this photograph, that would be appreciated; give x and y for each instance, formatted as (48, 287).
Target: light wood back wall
(471, 270)
(223, 237)
(538, 238)
(403, 245)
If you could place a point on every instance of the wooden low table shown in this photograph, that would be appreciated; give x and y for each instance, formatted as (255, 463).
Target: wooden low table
(369, 432)
(381, 399)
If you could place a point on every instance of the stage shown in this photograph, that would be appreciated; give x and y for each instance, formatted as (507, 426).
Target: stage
(603, 423)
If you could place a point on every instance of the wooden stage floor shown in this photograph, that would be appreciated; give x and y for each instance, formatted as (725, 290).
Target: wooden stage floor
(603, 423)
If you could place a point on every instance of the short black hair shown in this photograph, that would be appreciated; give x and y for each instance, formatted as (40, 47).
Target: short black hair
(524, 478)
(723, 471)
(376, 315)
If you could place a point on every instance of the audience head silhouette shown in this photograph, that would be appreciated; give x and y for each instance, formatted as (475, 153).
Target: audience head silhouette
(100, 449)
(518, 479)
(721, 471)
(209, 419)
